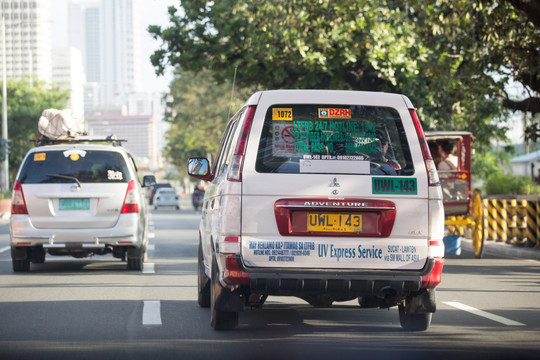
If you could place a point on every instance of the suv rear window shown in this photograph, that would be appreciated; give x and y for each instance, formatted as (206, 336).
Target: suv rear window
(333, 139)
(86, 166)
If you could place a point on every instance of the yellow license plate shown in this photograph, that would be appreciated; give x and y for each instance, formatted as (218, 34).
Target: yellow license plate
(334, 222)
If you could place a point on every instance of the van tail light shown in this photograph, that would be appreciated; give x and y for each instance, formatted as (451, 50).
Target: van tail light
(232, 274)
(18, 205)
(237, 161)
(434, 277)
(433, 175)
(131, 202)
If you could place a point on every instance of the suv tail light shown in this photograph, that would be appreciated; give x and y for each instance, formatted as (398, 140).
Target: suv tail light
(131, 203)
(235, 171)
(18, 205)
(433, 175)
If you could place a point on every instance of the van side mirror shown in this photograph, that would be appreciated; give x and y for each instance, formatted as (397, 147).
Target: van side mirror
(199, 168)
(149, 180)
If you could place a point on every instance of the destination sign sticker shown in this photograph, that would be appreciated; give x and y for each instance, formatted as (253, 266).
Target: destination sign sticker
(394, 186)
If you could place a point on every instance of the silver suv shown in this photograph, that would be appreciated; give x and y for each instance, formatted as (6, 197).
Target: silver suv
(80, 199)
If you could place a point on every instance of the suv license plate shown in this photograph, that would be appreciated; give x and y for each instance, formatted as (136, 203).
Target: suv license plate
(334, 222)
(74, 204)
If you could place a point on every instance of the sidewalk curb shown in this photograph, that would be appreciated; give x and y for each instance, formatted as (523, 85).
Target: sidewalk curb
(501, 249)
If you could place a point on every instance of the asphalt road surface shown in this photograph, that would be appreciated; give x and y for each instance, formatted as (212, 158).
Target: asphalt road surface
(95, 309)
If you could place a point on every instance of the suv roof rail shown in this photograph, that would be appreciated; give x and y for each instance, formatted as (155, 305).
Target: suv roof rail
(43, 140)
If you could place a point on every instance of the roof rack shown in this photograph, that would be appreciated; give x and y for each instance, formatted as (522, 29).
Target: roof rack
(112, 139)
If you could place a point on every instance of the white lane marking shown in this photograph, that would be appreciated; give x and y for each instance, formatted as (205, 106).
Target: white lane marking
(151, 313)
(149, 268)
(484, 314)
(151, 235)
(4, 249)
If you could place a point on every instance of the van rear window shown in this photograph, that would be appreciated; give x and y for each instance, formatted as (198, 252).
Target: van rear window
(65, 166)
(333, 139)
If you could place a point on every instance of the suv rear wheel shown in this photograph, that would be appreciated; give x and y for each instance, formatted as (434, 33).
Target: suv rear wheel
(20, 260)
(135, 259)
(21, 265)
(219, 320)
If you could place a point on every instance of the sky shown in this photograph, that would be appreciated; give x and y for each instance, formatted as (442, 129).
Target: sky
(151, 12)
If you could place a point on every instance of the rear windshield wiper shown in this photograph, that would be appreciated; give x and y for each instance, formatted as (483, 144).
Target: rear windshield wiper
(74, 179)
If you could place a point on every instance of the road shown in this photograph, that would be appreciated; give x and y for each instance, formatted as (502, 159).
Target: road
(95, 309)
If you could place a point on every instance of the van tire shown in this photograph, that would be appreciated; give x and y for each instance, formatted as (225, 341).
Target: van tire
(203, 283)
(414, 321)
(219, 320)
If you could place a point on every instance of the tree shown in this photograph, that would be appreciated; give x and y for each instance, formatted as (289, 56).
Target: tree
(349, 44)
(25, 103)
(198, 114)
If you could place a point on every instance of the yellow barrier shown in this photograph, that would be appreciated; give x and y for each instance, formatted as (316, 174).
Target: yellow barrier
(513, 220)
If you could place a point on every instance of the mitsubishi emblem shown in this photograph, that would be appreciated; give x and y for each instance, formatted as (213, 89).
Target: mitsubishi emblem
(334, 183)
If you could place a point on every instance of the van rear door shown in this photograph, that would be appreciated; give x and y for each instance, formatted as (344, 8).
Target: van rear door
(334, 180)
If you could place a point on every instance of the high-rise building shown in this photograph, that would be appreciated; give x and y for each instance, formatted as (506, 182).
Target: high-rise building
(119, 70)
(68, 74)
(84, 34)
(27, 39)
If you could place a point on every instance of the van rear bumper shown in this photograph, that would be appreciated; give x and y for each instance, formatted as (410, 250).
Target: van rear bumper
(291, 282)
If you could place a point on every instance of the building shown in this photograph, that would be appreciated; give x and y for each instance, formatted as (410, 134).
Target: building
(527, 165)
(119, 66)
(27, 39)
(138, 130)
(68, 74)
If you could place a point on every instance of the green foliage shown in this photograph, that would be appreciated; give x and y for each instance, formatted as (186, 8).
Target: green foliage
(5, 194)
(452, 58)
(25, 103)
(489, 163)
(198, 116)
(510, 184)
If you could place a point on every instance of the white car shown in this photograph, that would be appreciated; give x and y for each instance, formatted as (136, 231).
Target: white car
(323, 195)
(166, 197)
(78, 199)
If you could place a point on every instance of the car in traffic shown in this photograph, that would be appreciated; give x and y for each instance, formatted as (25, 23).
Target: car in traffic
(166, 197)
(78, 198)
(155, 188)
(323, 195)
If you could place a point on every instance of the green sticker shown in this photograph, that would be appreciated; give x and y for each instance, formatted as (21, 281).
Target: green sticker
(393, 185)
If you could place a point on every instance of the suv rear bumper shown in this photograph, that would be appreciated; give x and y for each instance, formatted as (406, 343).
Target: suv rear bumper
(291, 282)
(124, 233)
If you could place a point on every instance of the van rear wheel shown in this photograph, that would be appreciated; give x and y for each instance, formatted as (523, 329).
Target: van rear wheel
(414, 321)
(219, 320)
(203, 283)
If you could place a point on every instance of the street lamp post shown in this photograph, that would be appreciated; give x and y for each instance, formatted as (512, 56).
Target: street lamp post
(5, 161)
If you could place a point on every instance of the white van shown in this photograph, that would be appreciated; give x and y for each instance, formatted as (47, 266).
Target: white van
(323, 195)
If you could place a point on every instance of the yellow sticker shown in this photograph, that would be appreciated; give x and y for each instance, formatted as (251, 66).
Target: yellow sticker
(282, 114)
(74, 157)
(39, 157)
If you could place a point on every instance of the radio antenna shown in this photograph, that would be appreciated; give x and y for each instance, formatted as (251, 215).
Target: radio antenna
(232, 92)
